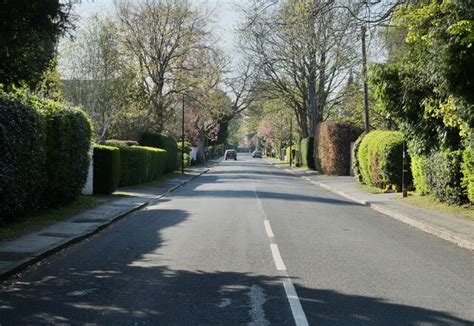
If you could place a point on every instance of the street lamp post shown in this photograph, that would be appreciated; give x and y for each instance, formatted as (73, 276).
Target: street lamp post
(291, 140)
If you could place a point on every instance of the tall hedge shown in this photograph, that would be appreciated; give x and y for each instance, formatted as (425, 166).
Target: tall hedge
(106, 169)
(307, 152)
(165, 142)
(22, 162)
(68, 134)
(467, 168)
(444, 174)
(45, 153)
(380, 159)
(332, 147)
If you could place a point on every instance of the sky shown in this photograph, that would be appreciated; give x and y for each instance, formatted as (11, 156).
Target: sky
(225, 14)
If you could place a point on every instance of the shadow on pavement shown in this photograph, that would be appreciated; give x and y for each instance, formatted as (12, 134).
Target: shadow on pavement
(121, 278)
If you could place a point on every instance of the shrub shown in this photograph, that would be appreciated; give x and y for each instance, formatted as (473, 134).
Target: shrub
(67, 152)
(187, 147)
(332, 147)
(355, 161)
(187, 160)
(467, 181)
(45, 156)
(165, 142)
(120, 143)
(419, 166)
(106, 169)
(22, 162)
(307, 152)
(141, 164)
(380, 159)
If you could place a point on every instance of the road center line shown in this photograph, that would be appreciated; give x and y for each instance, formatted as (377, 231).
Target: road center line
(280, 265)
(295, 304)
(268, 228)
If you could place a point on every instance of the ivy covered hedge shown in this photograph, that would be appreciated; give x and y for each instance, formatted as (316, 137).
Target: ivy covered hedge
(45, 153)
(379, 157)
(165, 142)
(332, 147)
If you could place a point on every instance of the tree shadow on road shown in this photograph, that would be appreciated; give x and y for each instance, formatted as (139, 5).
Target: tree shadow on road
(120, 277)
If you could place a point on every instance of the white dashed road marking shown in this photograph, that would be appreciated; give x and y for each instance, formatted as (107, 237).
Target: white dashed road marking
(268, 229)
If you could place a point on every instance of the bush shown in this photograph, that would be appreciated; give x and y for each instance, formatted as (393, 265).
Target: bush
(443, 175)
(187, 160)
(187, 147)
(165, 142)
(355, 161)
(141, 164)
(120, 143)
(45, 156)
(332, 147)
(68, 134)
(307, 152)
(380, 160)
(106, 169)
(467, 181)
(22, 163)
(419, 166)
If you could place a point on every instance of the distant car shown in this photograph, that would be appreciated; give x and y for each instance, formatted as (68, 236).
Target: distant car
(257, 154)
(230, 154)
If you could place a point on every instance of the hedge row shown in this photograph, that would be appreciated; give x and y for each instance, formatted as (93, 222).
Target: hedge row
(165, 142)
(126, 166)
(448, 175)
(332, 147)
(106, 169)
(121, 143)
(307, 152)
(379, 160)
(45, 153)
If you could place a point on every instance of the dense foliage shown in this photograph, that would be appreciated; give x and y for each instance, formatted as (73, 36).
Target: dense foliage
(45, 153)
(447, 175)
(139, 164)
(332, 143)
(120, 143)
(307, 152)
(380, 160)
(165, 142)
(29, 30)
(106, 169)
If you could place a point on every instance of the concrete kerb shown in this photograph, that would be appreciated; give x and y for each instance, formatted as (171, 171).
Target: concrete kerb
(428, 228)
(29, 261)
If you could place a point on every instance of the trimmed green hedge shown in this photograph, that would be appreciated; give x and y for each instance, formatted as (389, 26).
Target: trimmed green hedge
(45, 153)
(165, 142)
(380, 160)
(120, 143)
(69, 134)
(307, 152)
(139, 164)
(332, 147)
(106, 169)
(444, 174)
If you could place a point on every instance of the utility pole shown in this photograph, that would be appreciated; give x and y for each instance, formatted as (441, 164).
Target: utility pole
(182, 136)
(364, 76)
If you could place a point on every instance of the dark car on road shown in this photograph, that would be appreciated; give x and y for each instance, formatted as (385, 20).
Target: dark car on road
(230, 154)
(257, 153)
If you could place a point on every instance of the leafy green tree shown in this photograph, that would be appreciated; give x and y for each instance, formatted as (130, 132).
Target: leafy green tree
(29, 30)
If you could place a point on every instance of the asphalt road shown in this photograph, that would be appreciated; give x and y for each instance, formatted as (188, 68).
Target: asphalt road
(248, 243)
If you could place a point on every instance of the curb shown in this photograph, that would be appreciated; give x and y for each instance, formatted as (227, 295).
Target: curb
(425, 227)
(27, 262)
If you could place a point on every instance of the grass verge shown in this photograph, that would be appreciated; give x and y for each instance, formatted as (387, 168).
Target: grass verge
(428, 202)
(50, 216)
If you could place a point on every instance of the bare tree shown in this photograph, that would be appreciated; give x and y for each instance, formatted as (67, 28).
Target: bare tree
(305, 50)
(161, 37)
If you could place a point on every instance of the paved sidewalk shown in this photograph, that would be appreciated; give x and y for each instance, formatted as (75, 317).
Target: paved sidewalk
(17, 254)
(446, 226)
